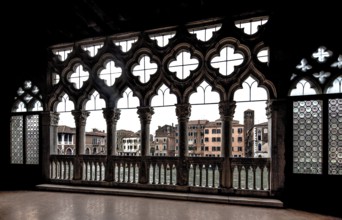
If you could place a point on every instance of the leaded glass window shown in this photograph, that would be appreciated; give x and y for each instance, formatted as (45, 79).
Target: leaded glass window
(24, 125)
(335, 136)
(316, 151)
(32, 139)
(307, 137)
(17, 140)
(25, 139)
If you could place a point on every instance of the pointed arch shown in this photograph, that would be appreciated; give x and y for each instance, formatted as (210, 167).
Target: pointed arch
(261, 82)
(304, 86)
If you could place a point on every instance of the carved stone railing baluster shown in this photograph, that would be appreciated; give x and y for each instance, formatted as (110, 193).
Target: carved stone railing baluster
(239, 176)
(246, 171)
(254, 176)
(159, 173)
(165, 172)
(194, 166)
(206, 175)
(213, 178)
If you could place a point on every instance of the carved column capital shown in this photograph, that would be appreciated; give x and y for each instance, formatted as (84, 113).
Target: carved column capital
(275, 105)
(111, 115)
(80, 117)
(183, 111)
(54, 118)
(227, 110)
(145, 114)
(50, 118)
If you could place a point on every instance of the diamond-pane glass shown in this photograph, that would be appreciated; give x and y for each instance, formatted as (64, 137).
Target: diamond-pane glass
(307, 137)
(17, 140)
(335, 136)
(32, 139)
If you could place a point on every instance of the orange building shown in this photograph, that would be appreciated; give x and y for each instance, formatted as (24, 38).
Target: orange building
(212, 139)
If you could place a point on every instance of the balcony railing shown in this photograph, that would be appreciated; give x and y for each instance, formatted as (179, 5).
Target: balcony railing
(249, 176)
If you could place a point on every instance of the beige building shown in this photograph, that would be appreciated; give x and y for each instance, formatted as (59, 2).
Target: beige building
(120, 135)
(164, 141)
(95, 141)
(212, 139)
(238, 139)
(195, 138)
(65, 140)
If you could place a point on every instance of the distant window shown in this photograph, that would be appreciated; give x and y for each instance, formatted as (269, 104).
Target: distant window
(259, 147)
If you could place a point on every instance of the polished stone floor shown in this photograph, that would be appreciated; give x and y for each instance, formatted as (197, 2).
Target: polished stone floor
(43, 205)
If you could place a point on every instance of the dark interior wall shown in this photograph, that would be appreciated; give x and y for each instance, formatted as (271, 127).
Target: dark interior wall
(23, 48)
(295, 33)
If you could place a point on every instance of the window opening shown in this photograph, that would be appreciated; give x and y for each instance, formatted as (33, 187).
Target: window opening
(55, 78)
(25, 125)
(183, 65)
(128, 126)
(263, 55)
(66, 129)
(303, 87)
(162, 127)
(92, 49)
(27, 99)
(249, 118)
(251, 26)
(125, 45)
(162, 39)
(78, 77)
(144, 69)
(110, 73)
(62, 54)
(205, 33)
(227, 60)
(203, 119)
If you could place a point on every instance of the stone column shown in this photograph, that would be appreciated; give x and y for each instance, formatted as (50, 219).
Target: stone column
(227, 110)
(80, 119)
(276, 111)
(183, 112)
(112, 116)
(49, 140)
(145, 115)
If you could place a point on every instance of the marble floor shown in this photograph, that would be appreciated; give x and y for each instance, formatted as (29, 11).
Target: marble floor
(44, 205)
